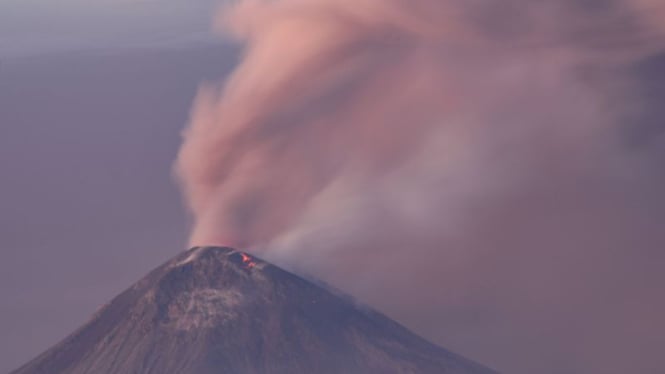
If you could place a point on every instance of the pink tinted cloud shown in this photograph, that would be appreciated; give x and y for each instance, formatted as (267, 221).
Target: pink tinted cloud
(458, 164)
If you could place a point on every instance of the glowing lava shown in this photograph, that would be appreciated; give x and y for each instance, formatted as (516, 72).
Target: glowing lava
(247, 261)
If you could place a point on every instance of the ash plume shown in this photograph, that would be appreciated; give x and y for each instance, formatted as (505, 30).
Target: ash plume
(487, 173)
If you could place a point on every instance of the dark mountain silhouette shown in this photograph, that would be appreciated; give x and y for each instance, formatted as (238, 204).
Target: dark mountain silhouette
(217, 310)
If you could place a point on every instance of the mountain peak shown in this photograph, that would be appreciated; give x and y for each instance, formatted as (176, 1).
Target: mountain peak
(219, 310)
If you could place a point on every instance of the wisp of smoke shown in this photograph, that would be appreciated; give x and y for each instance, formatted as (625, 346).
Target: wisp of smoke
(481, 171)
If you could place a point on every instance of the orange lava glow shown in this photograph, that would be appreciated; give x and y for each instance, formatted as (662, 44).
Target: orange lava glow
(247, 261)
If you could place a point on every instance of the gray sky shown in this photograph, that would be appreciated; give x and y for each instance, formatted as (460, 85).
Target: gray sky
(88, 203)
(30, 27)
(92, 102)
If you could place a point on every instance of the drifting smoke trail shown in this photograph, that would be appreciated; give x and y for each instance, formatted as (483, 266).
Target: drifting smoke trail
(475, 151)
(354, 75)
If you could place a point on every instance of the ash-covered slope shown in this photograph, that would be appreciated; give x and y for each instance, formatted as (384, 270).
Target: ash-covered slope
(217, 310)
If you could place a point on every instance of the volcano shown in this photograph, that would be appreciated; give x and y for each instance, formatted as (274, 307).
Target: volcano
(218, 310)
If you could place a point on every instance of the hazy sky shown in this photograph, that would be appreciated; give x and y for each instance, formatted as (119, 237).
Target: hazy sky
(39, 26)
(93, 96)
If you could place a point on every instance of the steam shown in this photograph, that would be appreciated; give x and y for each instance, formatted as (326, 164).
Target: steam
(481, 172)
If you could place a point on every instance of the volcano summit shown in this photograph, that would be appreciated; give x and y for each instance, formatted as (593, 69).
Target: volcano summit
(217, 310)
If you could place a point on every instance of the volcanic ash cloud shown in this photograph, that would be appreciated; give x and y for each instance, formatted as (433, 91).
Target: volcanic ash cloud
(491, 156)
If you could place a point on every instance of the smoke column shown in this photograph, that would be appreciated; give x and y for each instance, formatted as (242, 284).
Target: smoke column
(490, 174)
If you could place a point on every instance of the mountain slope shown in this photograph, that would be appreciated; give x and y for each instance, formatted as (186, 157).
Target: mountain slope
(217, 310)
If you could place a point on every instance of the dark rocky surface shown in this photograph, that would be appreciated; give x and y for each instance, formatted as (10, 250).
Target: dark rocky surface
(217, 310)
